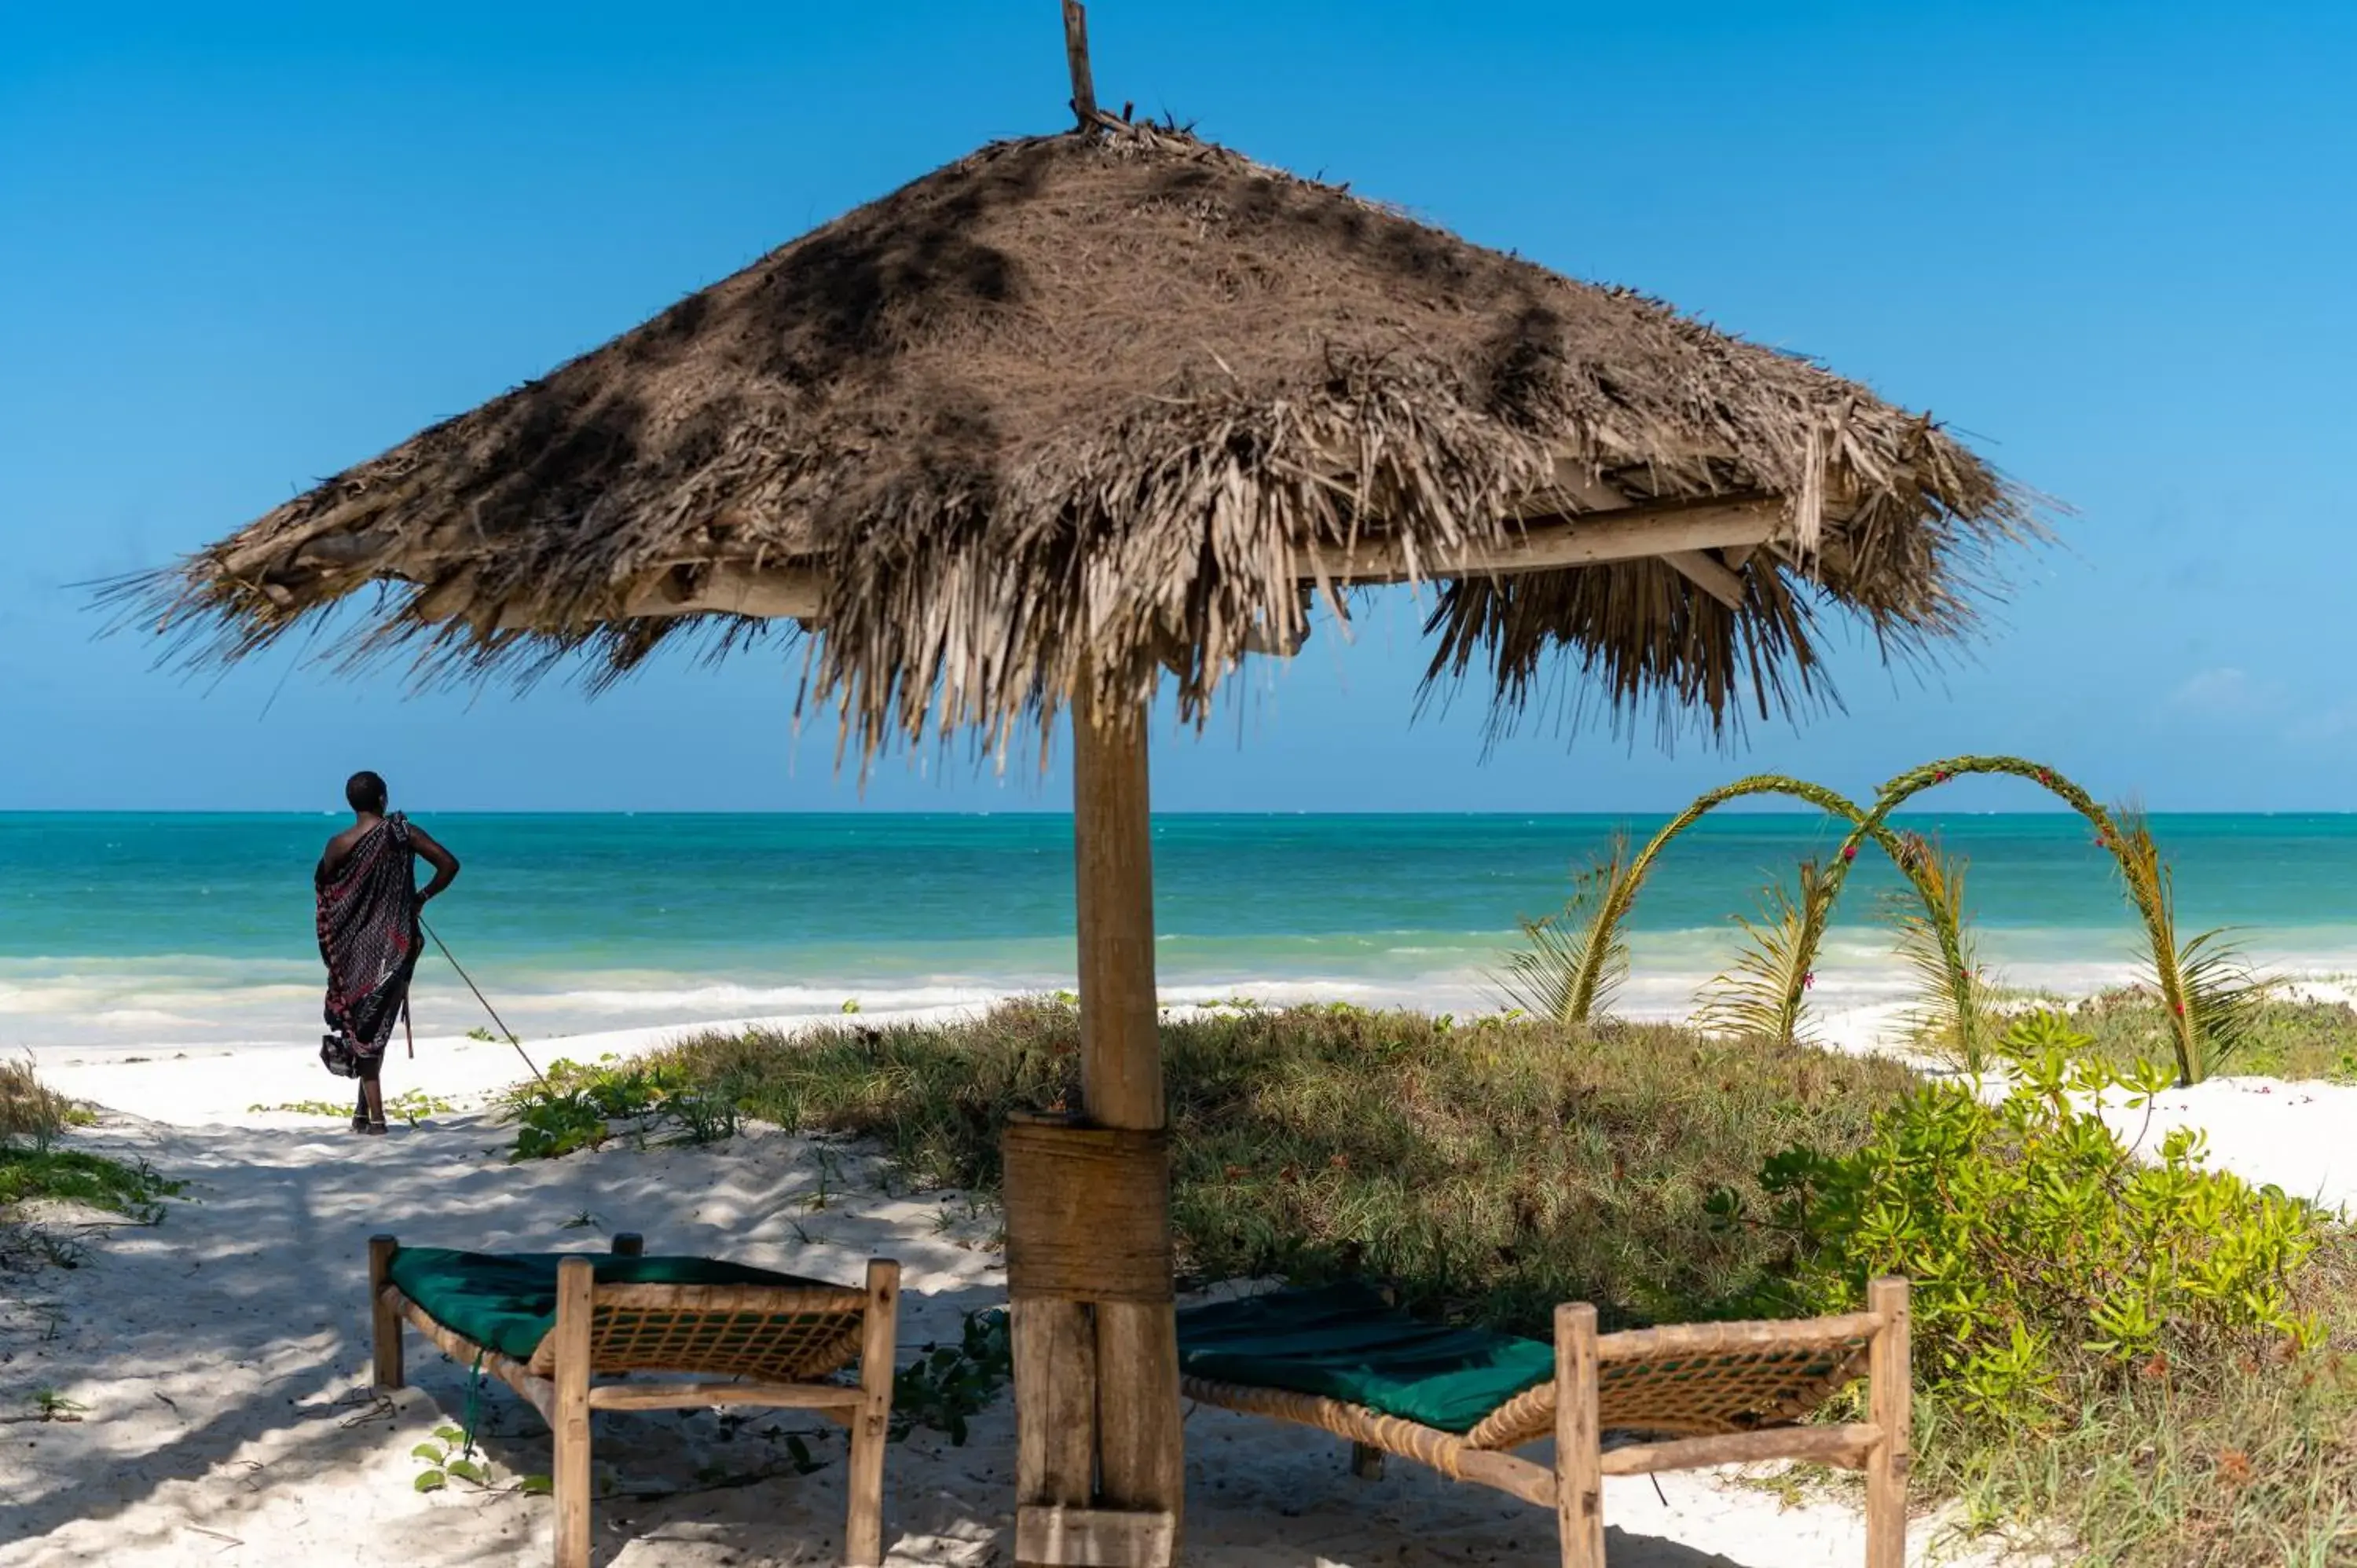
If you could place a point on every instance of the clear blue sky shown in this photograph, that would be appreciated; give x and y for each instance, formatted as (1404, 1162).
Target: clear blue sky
(242, 246)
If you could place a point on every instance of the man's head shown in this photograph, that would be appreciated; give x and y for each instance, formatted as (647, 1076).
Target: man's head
(365, 791)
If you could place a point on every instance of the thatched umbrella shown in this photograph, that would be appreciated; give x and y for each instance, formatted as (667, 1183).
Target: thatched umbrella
(1081, 414)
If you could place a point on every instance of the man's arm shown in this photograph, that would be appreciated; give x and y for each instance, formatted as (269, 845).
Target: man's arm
(445, 863)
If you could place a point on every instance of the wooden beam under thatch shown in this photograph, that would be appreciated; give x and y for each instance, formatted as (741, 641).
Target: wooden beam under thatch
(1677, 532)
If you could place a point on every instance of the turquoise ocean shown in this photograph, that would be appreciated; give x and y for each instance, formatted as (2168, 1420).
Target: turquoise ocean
(129, 932)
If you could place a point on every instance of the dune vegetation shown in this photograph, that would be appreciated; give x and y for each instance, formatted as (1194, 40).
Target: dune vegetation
(2119, 1349)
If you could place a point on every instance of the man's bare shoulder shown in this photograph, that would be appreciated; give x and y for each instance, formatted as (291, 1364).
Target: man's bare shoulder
(341, 845)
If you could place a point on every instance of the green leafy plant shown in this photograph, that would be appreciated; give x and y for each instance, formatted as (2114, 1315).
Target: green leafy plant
(2039, 1245)
(578, 1107)
(450, 1455)
(1552, 976)
(1764, 996)
(947, 1385)
(556, 1123)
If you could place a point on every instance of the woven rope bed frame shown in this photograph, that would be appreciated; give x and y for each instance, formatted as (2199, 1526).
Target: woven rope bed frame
(773, 1343)
(1715, 1393)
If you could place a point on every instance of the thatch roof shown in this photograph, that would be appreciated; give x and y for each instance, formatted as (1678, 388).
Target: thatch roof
(1087, 408)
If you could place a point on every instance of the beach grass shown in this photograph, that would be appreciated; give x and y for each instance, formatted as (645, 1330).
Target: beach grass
(2289, 1037)
(1488, 1170)
(32, 1114)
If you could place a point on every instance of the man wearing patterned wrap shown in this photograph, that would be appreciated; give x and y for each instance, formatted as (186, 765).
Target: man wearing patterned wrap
(370, 935)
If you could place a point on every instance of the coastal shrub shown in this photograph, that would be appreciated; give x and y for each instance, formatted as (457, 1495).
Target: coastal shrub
(1487, 1169)
(2232, 1460)
(2041, 1248)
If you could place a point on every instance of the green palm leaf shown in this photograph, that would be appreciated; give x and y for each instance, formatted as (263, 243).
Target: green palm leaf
(2209, 995)
(1551, 976)
(1762, 996)
(1936, 946)
(2223, 994)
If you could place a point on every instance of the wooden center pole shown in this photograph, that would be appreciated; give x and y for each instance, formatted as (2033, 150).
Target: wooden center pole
(1140, 1464)
(1076, 58)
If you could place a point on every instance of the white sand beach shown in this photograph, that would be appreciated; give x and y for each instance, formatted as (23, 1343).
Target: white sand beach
(220, 1359)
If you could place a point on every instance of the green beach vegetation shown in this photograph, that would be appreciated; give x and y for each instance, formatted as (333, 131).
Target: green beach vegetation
(33, 1117)
(2117, 1348)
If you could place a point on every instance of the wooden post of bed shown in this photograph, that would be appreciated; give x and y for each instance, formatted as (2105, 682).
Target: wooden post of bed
(863, 1532)
(569, 1418)
(384, 1317)
(1890, 1408)
(1579, 1438)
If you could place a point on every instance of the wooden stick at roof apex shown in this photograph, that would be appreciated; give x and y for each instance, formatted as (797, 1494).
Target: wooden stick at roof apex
(1076, 56)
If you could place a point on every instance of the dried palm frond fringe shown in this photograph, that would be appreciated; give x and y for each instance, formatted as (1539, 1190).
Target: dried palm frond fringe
(1073, 412)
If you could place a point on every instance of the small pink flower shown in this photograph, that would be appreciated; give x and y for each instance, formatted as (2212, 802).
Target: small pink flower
(1808, 979)
(1849, 852)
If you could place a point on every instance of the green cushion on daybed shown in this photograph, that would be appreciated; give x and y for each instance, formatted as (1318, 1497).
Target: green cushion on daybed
(508, 1300)
(1342, 1342)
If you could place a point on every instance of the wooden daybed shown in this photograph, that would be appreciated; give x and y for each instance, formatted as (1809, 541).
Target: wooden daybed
(547, 1325)
(1700, 1394)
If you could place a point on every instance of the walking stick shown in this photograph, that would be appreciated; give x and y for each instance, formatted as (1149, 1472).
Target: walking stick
(505, 1033)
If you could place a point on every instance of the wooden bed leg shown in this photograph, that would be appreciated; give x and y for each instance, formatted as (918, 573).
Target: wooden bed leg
(630, 1244)
(863, 1530)
(575, 1294)
(1890, 1408)
(1578, 1439)
(1366, 1462)
(385, 1323)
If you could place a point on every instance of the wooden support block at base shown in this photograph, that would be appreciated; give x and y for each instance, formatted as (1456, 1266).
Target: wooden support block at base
(1055, 1402)
(1094, 1538)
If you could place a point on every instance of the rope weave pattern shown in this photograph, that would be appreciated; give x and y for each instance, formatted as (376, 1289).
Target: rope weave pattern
(793, 1340)
(1692, 1394)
